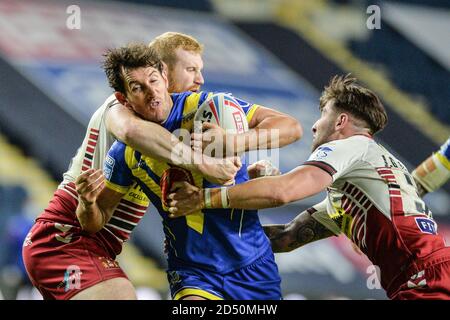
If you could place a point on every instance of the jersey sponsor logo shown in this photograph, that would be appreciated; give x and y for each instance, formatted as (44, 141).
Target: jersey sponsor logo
(322, 152)
(138, 196)
(188, 117)
(108, 167)
(426, 225)
(108, 263)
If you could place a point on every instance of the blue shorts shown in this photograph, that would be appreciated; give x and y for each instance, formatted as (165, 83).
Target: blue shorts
(257, 281)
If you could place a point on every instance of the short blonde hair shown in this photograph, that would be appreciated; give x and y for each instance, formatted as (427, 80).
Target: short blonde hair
(166, 44)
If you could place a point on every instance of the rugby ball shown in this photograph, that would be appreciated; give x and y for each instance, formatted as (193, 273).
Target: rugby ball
(221, 109)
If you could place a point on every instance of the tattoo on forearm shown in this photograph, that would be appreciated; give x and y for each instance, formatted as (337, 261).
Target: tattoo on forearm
(273, 231)
(302, 230)
(308, 231)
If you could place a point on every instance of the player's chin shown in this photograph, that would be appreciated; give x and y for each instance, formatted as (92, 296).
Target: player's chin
(159, 117)
(315, 145)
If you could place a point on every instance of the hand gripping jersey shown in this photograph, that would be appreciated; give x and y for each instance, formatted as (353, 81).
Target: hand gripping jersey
(373, 200)
(91, 154)
(218, 240)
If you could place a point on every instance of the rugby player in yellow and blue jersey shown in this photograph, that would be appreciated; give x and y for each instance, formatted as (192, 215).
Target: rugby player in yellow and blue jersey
(212, 254)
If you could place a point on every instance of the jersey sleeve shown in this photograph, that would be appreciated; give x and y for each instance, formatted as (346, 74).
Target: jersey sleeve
(201, 96)
(117, 167)
(319, 212)
(337, 157)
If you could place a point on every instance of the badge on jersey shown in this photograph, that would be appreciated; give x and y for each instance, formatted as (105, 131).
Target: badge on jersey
(322, 152)
(426, 225)
(108, 167)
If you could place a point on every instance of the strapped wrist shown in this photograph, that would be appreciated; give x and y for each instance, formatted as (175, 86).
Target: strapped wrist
(216, 198)
(207, 198)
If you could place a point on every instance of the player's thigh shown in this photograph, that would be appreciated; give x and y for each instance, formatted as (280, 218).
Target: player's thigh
(61, 265)
(112, 289)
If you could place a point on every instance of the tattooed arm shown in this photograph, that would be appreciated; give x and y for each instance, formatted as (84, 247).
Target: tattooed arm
(300, 231)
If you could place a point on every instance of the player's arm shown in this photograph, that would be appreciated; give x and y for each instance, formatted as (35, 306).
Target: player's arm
(263, 121)
(434, 172)
(268, 129)
(301, 230)
(96, 203)
(147, 137)
(152, 139)
(267, 192)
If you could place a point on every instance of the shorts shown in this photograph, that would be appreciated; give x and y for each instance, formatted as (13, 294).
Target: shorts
(432, 283)
(257, 281)
(61, 260)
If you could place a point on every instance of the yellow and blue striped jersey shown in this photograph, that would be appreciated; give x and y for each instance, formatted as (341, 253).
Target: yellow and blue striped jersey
(220, 240)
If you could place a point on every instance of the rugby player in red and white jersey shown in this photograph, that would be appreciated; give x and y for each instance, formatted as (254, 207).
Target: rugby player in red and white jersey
(62, 260)
(371, 197)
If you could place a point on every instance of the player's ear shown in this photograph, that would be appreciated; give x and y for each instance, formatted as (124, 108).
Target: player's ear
(121, 98)
(164, 69)
(165, 78)
(341, 120)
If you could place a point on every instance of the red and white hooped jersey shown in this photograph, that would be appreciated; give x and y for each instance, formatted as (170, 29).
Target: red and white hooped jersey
(95, 146)
(373, 200)
(91, 154)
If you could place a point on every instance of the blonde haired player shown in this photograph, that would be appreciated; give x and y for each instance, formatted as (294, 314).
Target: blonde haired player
(182, 54)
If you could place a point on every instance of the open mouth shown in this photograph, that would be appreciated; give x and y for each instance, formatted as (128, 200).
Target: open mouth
(154, 103)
